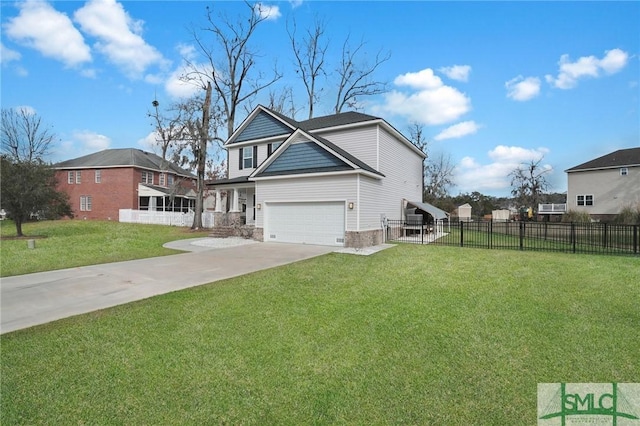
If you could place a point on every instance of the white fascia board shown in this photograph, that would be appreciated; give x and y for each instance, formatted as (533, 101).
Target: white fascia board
(255, 141)
(593, 169)
(381, 122)
(319, 174)
(248, 120)
(288, 142)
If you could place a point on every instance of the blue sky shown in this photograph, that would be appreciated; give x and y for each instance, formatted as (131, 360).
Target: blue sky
(494, 83)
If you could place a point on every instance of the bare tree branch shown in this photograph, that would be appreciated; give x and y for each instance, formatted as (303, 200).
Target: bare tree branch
(356, 76)
(310, 58)
(24, 136)
(528, 183)
(232, 73)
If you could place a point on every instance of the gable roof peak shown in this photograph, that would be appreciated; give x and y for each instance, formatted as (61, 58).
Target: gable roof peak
(619, 158)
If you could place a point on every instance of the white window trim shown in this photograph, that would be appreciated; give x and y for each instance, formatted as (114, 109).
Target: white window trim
(78, 177)
(98, 176)
(624, 171)
(70, 178)
(85, 203)
(248, 158)
(584, 200)
(147, 177)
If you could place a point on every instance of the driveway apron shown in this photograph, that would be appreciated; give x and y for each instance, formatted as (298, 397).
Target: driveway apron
(28, 300)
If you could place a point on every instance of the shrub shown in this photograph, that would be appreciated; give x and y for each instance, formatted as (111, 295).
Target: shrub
(576, 216)
(629, 215)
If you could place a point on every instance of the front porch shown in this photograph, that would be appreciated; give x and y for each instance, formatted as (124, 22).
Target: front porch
(235, 209)
(161, 199)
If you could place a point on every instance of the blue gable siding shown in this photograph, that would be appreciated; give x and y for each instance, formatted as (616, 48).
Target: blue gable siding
(262, 126)
(305, 157)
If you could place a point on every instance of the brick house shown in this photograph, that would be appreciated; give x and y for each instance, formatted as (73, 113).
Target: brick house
(102, 183)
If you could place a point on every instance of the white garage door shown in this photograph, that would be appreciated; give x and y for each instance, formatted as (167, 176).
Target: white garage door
(307, 223)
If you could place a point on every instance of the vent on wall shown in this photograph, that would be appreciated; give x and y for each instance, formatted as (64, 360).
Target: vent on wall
(339, 240)
(272, 236)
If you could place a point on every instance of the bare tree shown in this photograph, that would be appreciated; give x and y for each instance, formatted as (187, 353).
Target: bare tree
(169, 129)
(438, 176)
(528, 183)
(310, 58)
(27, 183)
(230, 61)
(198, 133)
(283, 102)
(437, 170)
(417, 137)
(356, 76)
(24, 136)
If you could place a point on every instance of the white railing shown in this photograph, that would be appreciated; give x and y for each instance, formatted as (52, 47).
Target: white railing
(164, 218)
(552, 208)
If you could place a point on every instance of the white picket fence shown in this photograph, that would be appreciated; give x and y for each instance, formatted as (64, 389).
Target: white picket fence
(164, 218)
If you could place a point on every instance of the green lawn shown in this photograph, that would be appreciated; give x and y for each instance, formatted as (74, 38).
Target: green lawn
(410, 335)
(71, 243)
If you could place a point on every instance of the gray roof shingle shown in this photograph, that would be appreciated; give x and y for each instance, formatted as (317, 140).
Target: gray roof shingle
(619, 158)
(123, 157)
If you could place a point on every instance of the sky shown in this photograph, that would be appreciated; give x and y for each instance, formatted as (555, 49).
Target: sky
(494, 84)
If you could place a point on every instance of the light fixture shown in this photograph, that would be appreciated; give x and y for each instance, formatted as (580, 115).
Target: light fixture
(259, 206)
(350, 206)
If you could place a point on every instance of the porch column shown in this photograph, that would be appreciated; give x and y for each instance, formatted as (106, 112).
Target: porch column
(235, 200)
(218, 201)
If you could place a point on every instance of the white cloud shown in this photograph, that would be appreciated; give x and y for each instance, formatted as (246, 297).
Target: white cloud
(91, 141)
(295, 3)
(268, 12)
(41, 27)
(471, 175)
(26, 109)
(7, 55)
(431, 102)
(424, 79)
(149, 142)
(587, 66)
(523, 89)
(457, 72)
(458, 130)
(516, 154)
(176, 87)
(119, 36)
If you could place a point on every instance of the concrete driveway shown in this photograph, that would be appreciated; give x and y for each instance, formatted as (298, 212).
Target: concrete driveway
(28, 300)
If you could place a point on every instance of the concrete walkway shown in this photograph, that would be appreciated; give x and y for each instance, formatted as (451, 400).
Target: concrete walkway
(28, 300)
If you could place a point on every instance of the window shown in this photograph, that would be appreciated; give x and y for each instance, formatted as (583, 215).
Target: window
(161, 179)
(147, 177)
(70, 178)
(78, 174)
(169, 180)
(272, 147)
(584, 200)
(85, 203)
(624, 171)
(98, 176)
(248, 157)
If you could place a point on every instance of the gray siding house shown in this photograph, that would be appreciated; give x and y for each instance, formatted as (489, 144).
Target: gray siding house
(328, 180)
(604, 186)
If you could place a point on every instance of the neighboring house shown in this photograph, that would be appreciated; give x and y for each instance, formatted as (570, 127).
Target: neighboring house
(604, 186)
(329, 180)
(102, 183)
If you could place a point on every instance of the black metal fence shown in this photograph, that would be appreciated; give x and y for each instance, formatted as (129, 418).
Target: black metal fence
(595, 238)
